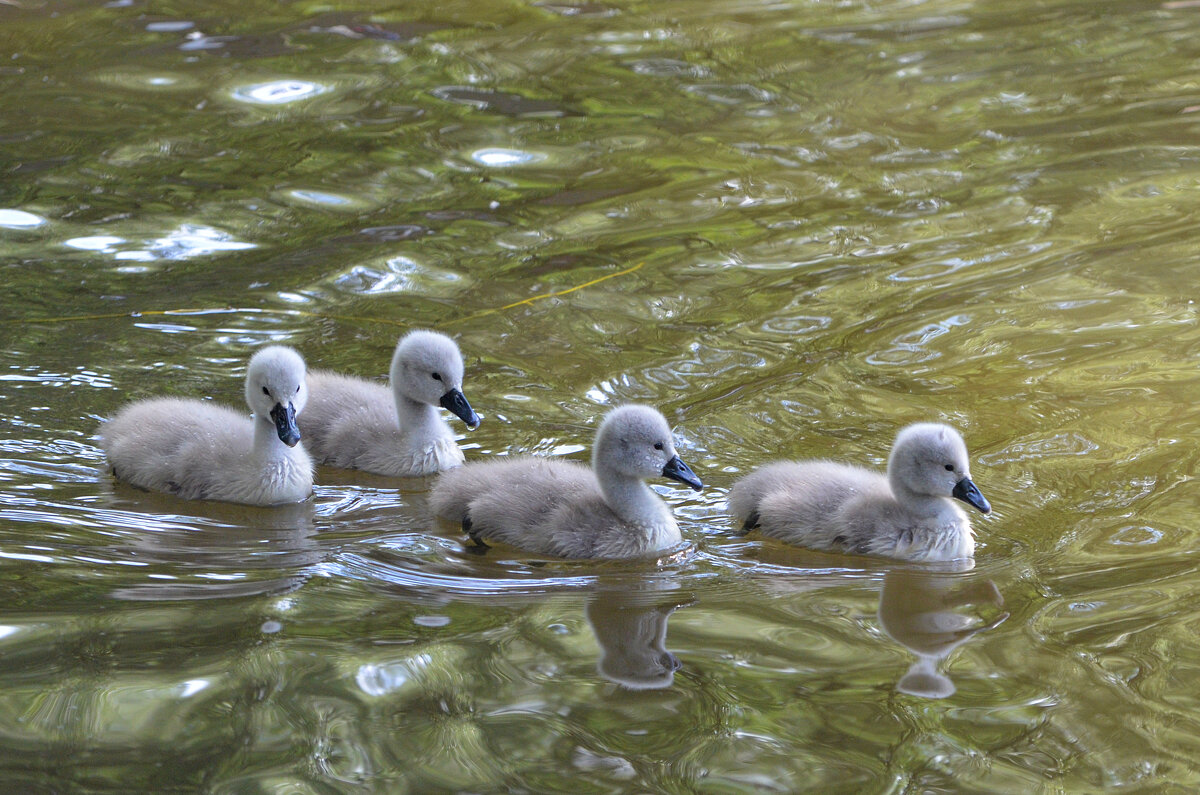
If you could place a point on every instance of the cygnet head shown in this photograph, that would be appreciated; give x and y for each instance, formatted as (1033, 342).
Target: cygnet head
(635, 441)
(930, 460)
(428, 368)
(276, 391)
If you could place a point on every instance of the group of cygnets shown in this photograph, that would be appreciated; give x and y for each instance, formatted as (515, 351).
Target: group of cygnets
(199, 450)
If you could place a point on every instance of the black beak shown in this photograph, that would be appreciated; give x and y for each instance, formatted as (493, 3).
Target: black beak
(456, 403)
(285, 424)
(969, 493)
(677, 470)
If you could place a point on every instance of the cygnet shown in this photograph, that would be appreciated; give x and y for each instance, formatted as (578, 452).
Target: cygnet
(358, 424)
(202, 451)
(909, 514)
(566, 509)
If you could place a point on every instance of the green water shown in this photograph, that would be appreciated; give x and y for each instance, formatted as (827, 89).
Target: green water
(801, 226)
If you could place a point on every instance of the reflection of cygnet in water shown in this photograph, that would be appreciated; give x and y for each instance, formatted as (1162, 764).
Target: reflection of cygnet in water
(228, 551)
(918, 608)
(631, 628)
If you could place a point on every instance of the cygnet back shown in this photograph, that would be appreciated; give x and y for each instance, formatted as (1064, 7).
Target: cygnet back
(565, 509)
(909, 514)
(199, 450)
(394, 430)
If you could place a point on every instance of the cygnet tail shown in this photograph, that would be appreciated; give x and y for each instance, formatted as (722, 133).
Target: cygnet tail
(743, 500)
(451, 495)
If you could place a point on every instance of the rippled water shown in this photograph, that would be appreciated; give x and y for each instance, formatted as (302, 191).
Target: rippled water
(794, 227)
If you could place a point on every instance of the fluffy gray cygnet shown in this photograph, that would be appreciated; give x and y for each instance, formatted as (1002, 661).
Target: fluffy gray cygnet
(353, 423)
(910, 514)
(569, 510)
(202, 451)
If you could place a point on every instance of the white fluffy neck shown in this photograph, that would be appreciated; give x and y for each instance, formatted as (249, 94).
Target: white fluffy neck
(634, 501)
(418, 421)
(273, 472)
(922, 505)
(267, 444)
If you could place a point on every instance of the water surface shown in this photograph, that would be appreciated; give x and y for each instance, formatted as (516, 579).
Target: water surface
(794, 227)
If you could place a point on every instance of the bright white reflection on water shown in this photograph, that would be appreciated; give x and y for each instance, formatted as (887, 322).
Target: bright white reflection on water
(19, 219)
(170, 27)
(503, 158)
(320, 197)
(279, 92)
(103, 243)
(189, 240)
(192, 687)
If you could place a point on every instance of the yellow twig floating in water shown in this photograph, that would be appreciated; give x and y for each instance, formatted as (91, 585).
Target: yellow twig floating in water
(544, 296)
(231, 310)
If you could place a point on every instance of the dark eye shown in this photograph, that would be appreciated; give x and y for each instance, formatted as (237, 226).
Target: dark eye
(297, 390)
(437, 376)
(949, 467)
(266, 392)
(658, 446)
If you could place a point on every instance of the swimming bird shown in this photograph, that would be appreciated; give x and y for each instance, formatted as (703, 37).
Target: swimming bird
(566, 509)
(909, 514)
(357, 424)
(203, 451)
